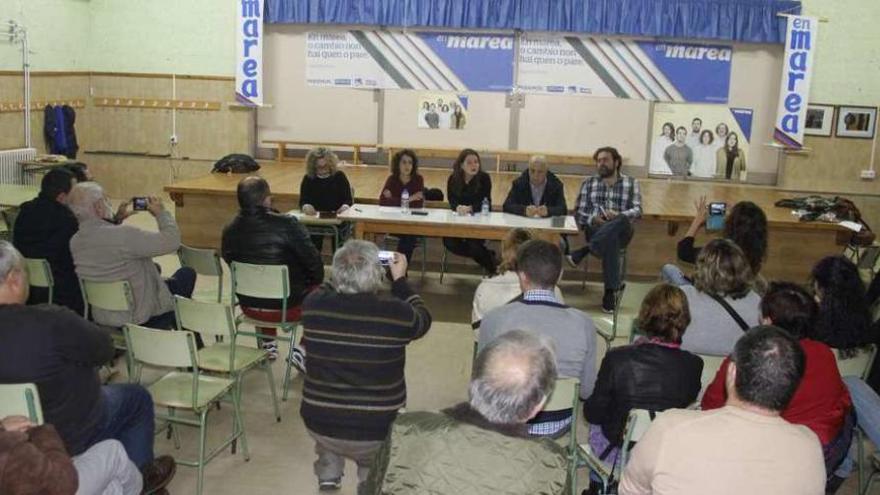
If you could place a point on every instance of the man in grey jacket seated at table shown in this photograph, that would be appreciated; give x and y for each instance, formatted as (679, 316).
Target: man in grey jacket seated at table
(539, 265)
(108, 252)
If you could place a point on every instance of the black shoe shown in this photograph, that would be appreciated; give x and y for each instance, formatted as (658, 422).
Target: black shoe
(608, 301)
(158, 474)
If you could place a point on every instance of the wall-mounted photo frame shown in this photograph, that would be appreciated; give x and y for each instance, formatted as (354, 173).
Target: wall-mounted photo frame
(820, 120)
(856, 122)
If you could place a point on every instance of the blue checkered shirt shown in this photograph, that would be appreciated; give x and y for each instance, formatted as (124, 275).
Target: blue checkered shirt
(546, 295)
(547, 428)
(624, 197)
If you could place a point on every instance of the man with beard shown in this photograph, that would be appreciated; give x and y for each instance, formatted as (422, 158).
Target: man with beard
(607, 205)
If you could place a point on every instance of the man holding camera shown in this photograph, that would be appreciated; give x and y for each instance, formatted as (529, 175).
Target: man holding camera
(356, 340)
(104, 251)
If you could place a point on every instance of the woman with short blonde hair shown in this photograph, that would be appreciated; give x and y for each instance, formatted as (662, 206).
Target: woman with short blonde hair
(722, 301)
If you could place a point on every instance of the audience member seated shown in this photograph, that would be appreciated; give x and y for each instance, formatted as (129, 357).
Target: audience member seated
(260, 235)
(653, 373)
(745, 225)
(844, 316)
(483, 445)
(744, 447)
(866, 404)
(325, 190)
(404, 177)
(821, 401)
(721, 301)
(844, 321)
(606, 206)
(504, 287)
(537, 192)
(33, 461)
(43, 230)
(468, 186)
(356, 341)
(60, 351)
(538, 266)
(107, 252)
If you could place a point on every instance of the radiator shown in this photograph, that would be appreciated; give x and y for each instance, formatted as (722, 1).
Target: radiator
(10, 171)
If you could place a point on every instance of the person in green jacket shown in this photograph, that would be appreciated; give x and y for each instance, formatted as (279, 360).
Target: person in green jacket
(482, 446)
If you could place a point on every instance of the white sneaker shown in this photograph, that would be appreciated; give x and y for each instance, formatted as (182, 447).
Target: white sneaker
(298, 359)
(271, 347)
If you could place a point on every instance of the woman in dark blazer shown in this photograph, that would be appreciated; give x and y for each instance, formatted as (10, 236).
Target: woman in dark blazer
(466, 189)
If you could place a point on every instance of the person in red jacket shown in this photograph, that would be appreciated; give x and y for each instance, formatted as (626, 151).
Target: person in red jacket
(821, 401)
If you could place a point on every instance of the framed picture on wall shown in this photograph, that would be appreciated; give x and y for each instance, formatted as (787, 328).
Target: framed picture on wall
(856, 122)
(820, 120)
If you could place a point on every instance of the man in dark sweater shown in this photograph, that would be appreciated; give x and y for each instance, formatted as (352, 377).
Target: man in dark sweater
(537, 192)
(356, 340)
(43, 230)
(59, 351)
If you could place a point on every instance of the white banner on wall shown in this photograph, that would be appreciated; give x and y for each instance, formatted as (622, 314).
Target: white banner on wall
(409, 60)
(794, 90)
(249, 52)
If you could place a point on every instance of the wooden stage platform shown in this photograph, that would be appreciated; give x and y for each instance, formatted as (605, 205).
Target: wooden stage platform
(206, 204)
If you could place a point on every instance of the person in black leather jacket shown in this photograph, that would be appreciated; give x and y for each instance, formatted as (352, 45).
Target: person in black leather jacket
(653, 373)
(260, 235)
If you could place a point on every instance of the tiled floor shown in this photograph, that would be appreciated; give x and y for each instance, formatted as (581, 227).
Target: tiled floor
(437, 372)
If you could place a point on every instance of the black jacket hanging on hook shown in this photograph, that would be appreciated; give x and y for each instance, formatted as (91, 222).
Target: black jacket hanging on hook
(59, 130)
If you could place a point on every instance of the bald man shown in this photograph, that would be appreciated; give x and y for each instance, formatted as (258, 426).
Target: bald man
(537, 192)
(513, 376)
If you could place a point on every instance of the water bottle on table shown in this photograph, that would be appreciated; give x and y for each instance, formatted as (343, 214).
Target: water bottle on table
(404, 201)
(486, 208)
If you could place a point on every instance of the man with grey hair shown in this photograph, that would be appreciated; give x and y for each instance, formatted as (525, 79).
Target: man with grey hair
(356, 340)
(439, 452)
(108, 252)
(60, 351)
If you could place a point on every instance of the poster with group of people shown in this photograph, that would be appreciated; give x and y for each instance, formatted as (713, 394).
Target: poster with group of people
(442, 111)
(704, 141)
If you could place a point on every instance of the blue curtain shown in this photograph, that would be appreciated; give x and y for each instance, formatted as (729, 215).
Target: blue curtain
(729, 20)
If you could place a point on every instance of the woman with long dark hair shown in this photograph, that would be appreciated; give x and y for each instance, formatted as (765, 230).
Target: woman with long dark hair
(404, 177)
(844, 321)
(730, 161)
(468, 186)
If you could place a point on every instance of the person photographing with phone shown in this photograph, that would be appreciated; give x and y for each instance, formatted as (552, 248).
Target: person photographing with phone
(745, 225)
(356, 339)
(607, 205)
(106, 251)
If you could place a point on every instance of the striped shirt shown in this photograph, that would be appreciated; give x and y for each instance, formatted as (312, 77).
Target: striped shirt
(624, 196)
(356, 352)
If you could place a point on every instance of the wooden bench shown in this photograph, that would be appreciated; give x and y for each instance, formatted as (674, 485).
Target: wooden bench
(281, 148)
(501, 156)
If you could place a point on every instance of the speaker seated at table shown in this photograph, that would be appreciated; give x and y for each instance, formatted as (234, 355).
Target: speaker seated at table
(404, 177)
(605, 209)
(324, 188)
(537, 192)
(468, 189)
